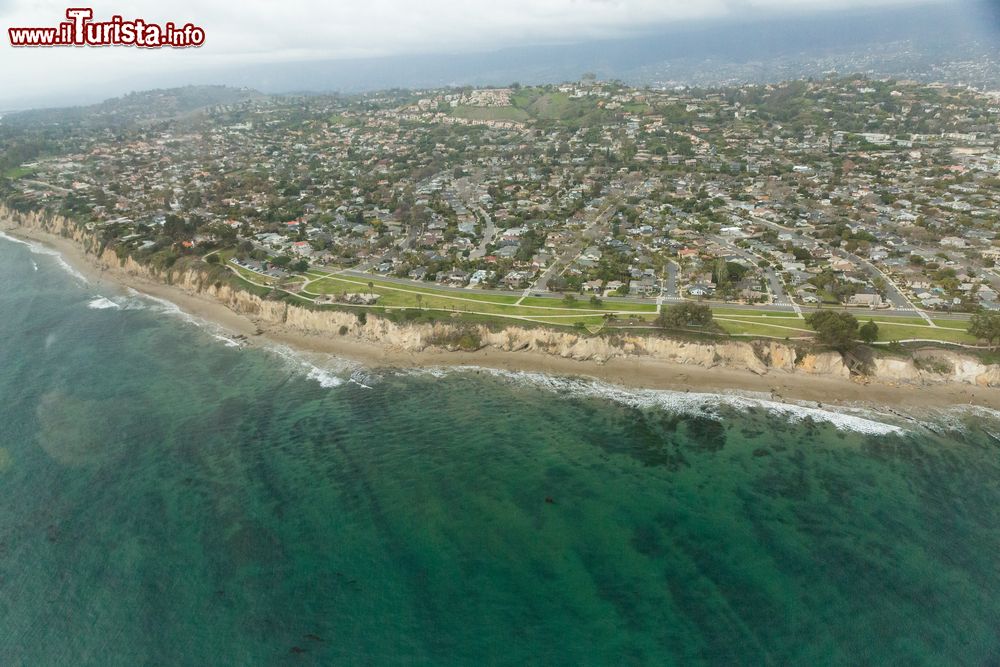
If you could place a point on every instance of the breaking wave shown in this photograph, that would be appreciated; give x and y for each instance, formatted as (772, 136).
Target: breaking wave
(326, 370)
(38, 249)
(103, 303)
(703, 404)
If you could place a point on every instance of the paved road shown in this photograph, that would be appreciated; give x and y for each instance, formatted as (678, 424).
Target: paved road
(894, 295)
(572, 251)
(488, 233)
(670, 283)
(774, 285)
(49, 186)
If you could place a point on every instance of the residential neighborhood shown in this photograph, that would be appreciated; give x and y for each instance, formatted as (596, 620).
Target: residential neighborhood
(849, 192)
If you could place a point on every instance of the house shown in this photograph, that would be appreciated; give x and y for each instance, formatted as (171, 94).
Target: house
(612, 287)
(643, 287)
(456, 277)
(865, 298)
(481, 276)
(302, 248)
(516, 279)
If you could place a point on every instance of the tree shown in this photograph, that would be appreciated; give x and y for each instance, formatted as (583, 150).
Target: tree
(869, 332)
(721, 273)
(371, 287)
(212, 259)
(595, 301)
(301, 266)
(985, 325)
(683, 315)
(836, 330)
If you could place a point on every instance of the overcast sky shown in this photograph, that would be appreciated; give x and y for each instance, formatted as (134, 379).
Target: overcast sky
(287, 30)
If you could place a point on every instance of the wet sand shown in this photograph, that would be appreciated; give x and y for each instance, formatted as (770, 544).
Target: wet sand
(635, 372)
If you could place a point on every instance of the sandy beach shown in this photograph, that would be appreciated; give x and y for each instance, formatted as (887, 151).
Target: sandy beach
(633, 372)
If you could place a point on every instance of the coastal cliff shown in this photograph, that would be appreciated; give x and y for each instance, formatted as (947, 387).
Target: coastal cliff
(926, 367)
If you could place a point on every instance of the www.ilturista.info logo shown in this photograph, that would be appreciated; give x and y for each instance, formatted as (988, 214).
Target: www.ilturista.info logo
(80, 30)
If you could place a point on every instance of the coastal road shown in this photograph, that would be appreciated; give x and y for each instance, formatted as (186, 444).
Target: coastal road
(624, 301)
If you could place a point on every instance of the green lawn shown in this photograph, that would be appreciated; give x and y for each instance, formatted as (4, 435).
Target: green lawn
(398, 296)
(889, 332)
(338, 283)
(636, 107)
(756, 328)
(551, 106)
(583, 303)
(952, 324)
(252, 276)
(469, 303)
(762, 312)
(590, 321)
(889, 319)
(18, 172)
(428, 289)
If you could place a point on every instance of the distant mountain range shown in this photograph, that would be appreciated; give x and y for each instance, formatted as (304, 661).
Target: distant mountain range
(890, 41)
(141, 107)
(955, 42)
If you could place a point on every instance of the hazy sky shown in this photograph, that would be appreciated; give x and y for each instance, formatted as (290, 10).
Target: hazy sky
(269, 30)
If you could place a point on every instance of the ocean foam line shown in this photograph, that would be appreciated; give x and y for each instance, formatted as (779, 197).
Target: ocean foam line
(692, 403)
(135, 300)
(170, 308)
(103, 303)
(328, 371)
(226, 340)
(38, 249)
(955, 418)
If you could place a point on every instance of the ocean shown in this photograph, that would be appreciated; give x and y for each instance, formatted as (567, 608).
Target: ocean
(169, 497)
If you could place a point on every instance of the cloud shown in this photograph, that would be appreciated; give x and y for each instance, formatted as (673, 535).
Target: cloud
(286, 30)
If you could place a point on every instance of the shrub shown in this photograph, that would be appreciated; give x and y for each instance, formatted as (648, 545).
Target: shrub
(466, 338)
(837, 330)
(934, 365)
(685, 314)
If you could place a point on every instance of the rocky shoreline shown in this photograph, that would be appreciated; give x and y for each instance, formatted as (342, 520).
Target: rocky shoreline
(633, 360)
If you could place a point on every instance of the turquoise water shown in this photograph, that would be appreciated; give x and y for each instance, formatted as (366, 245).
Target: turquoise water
(166, 499)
